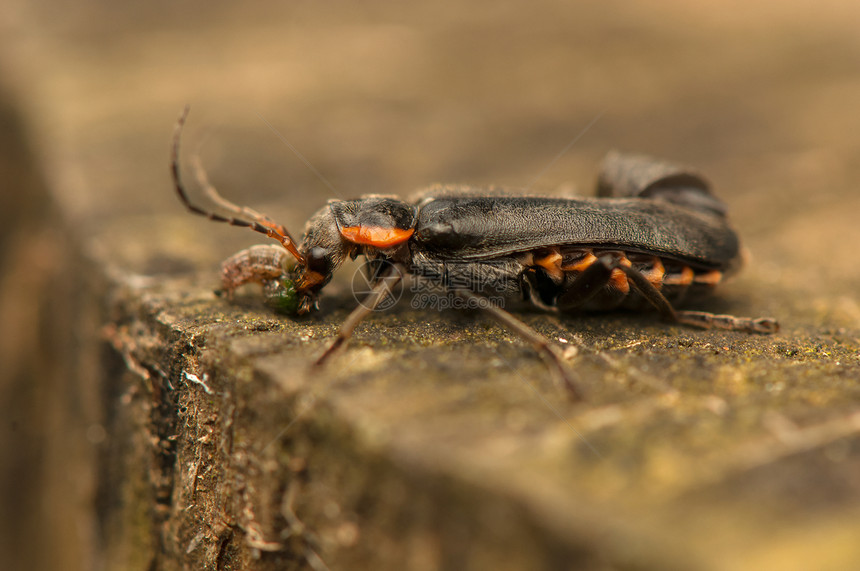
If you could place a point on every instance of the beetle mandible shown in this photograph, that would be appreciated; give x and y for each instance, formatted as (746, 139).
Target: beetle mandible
(653, 235)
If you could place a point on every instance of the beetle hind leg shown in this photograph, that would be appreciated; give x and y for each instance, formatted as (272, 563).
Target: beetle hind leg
(707, 320)
(701, 319)
(597, 275)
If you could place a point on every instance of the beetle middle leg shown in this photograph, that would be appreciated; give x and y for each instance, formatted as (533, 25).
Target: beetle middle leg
(542, 345)
(586, 285)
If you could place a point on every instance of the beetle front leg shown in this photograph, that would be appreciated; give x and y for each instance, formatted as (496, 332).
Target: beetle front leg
(382, 288)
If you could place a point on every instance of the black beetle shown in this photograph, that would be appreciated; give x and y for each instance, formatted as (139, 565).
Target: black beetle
(654, 235)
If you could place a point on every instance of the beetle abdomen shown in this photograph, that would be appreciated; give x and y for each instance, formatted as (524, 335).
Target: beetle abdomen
(551, 272)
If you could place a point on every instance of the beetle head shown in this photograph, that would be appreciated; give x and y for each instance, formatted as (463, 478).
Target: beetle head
(323, 251)
(372, 225)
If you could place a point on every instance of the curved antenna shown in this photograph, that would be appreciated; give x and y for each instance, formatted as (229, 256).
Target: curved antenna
(258, 222)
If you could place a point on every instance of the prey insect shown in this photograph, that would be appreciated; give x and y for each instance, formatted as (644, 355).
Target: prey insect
(653, 236)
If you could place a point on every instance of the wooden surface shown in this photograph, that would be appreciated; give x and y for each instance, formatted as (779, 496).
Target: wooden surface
(436, 440)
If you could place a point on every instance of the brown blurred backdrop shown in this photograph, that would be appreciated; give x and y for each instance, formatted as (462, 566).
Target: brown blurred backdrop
(384, 96)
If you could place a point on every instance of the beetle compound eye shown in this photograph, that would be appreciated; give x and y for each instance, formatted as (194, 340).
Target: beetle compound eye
(317, 260)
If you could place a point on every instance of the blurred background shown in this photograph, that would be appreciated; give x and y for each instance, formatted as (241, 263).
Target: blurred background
(388, 97)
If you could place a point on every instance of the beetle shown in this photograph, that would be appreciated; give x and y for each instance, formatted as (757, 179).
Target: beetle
(653, 235)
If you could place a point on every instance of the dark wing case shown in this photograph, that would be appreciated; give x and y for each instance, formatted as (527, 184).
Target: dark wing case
(474, 228)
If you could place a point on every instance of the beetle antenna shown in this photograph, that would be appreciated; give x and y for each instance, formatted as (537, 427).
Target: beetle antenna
(561, 153)
(212, 194)
(258, 222)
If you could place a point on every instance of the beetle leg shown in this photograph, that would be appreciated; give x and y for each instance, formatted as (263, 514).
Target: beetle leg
(707, 320)
(551, 354)
(587, 284)
(382, 288)
(598, 274)
(700, 319)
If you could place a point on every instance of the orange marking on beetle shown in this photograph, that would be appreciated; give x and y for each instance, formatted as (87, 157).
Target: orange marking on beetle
(655, 273)
(582, 264)
(618, 280)
(376, 236)
(710, 278)
(308, 280)
(552, 264)
(682, 278)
